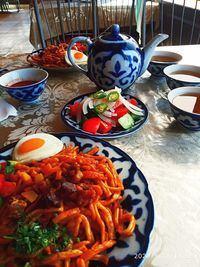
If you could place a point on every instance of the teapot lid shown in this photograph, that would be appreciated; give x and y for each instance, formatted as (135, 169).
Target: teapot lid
(115, 34)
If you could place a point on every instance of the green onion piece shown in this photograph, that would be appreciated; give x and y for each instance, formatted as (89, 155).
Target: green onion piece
(100, 108)
(9, 169)
(31, 238)
(78, 239)
(99, 94)
(113, 96)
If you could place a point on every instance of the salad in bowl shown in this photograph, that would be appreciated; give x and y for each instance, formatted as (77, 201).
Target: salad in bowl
(105, 113)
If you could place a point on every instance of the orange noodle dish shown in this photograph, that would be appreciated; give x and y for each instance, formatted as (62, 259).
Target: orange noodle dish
(63, 210)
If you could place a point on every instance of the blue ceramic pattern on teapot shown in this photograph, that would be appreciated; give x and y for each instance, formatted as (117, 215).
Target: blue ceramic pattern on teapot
(115, 59)
(114, 69)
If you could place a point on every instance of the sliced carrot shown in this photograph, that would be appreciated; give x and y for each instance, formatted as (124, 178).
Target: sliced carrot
(30, 195)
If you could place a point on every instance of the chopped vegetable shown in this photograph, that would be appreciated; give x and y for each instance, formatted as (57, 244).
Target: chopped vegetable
(73, 109)
(6, 188)
(101, 111)
(100, 108)
(30, 195)
(135, 117)
(133, 101)
(113, 96)
(31, 238)
(126, 121)
(86, 104)
(91, 125)
(105, 127)
(99, 94)
(121, 111)
(9, 169)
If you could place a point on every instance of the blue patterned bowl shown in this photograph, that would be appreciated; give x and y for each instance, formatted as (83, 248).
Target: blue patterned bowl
(182, 75)
(187, 119)
(34, 78)
(160, 60)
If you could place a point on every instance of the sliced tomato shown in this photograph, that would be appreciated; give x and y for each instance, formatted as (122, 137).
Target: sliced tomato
(118, 103)
(133, 101)
(104, 127)
(2, 179)
(73, 109)
(91, 125)
(121, 111)
(3, 166)
(7, 188)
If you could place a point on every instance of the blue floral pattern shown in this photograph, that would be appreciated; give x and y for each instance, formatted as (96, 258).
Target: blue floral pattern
(27, 94)
(109, 69)
(137, 199)
(172, 83)
(187, 120)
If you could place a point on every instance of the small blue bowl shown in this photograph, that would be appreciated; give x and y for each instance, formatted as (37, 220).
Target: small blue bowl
(187, 119)
(25, 85)
(179, 75)
(162, 59)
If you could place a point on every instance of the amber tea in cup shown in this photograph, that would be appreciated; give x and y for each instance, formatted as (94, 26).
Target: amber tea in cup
(162, 59)
(185, 106)
(21, 83)
(189, 102)
(186, 75)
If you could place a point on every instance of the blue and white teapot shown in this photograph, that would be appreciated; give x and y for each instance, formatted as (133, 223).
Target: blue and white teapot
(115, 59)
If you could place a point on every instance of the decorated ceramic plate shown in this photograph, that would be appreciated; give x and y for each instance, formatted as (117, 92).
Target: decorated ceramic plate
(137, 199)
(49, 66)
(55, 62)
(115, 132)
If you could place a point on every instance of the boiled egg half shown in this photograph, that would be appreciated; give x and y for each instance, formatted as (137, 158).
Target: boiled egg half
(79, 57)
(36, 147)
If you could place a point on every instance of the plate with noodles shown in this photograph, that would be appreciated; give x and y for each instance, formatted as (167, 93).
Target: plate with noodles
(86, 205)
(54, 57)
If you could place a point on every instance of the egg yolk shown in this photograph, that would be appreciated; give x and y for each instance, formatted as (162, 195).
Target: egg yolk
(30, 145)
(78, 55)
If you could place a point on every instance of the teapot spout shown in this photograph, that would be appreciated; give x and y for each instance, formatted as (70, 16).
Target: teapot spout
(149, 49)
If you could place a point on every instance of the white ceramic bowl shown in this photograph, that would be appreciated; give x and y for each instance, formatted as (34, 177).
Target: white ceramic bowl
(187, 119)
(26, 93)
(164, 59)
(176, 75)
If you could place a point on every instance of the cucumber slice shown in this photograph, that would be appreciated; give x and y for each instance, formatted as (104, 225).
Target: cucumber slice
(126, 121)
(136, 117)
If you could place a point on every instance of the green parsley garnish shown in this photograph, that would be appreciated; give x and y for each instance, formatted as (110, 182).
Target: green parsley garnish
(9, 169)
(31, 238)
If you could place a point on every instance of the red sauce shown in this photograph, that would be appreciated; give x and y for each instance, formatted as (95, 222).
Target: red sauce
(22, 83)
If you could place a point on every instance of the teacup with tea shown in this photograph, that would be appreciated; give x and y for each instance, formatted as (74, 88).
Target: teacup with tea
(182, 75)
(162, 59)
(185, 106)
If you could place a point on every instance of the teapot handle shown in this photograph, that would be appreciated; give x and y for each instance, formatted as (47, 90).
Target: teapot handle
(78, 39)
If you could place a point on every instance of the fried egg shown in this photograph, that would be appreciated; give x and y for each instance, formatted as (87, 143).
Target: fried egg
(36, 147)
(79, 57)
